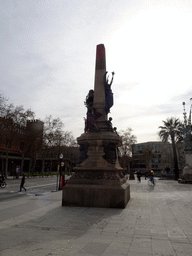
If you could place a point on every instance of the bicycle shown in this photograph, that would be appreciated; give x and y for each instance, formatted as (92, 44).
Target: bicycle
(3, 184)
(151, 181)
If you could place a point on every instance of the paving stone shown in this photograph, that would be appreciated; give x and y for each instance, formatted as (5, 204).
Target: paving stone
(155, 222)
(164, 254)
(94, 248)
(118, 250)
(162, 246)
(130, 253)
(182, 249)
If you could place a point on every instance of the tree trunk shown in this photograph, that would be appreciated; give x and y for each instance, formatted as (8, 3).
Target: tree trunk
(6, 165)
(50, 170)
(22, 163)
(131, 176)
(34, 165)
(42, 166)
(2, 166)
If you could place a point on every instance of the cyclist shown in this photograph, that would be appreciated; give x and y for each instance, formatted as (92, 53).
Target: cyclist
(152, 176)
(2, 178)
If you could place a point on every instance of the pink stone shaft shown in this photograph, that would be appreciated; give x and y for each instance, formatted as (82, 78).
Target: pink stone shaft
(99, 87)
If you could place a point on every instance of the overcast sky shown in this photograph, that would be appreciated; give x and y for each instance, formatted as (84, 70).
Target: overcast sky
(48, 50)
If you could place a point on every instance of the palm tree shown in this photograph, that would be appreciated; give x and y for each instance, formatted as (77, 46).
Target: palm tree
(171, 130)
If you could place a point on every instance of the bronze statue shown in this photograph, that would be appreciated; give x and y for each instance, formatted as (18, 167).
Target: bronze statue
(108, 92)
(92, 114)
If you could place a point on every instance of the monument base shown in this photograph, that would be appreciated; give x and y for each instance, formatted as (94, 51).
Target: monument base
(185, 181)
(100, 196)
(186, 176)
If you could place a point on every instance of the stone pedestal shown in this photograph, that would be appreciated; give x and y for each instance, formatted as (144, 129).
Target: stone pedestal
(98, 180)
(100, 196)
(186, 176)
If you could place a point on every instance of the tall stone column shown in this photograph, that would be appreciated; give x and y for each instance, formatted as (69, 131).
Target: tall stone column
(98, 180)
(99, 87)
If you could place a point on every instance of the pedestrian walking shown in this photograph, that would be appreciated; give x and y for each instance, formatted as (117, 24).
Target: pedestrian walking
(22, 183)
(139, 176)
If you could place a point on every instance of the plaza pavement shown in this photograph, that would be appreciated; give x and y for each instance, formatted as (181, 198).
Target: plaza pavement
(157, 221)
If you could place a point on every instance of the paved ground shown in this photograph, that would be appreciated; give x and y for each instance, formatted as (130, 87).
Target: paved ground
(155, 222)
(35, 186)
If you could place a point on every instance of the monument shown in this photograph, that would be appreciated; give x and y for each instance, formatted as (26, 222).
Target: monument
(98, 180)
(186, 176)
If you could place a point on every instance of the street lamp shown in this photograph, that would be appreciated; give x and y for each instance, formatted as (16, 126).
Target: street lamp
(59, 168)
(61, 157)
(187, 129)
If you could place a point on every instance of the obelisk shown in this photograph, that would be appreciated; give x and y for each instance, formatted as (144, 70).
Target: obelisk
(98, 180)
(99, 86)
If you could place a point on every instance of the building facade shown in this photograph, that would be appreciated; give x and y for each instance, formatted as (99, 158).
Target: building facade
(153, 155)
(19, 144)
(22, 150)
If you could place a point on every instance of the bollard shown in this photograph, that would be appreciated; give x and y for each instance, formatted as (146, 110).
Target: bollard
(62, 181)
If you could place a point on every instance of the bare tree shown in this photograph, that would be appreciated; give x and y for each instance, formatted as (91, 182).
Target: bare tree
(56, 140)
(125, 151)
(12, 123)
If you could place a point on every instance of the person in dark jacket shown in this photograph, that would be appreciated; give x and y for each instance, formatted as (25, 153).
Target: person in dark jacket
(139, 176)
(2, 178)
(22, 183)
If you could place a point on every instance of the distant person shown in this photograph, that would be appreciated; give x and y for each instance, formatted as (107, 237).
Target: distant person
(17, 172)
(152, 176)
(22, 183)
(139, 176)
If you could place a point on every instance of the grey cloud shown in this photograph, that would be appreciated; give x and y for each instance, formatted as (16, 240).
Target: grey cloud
(184, 97)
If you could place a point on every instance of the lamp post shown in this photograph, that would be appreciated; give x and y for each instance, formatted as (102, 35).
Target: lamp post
(187, 129)
(59, 176)
(60, 158)
(186, 176)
